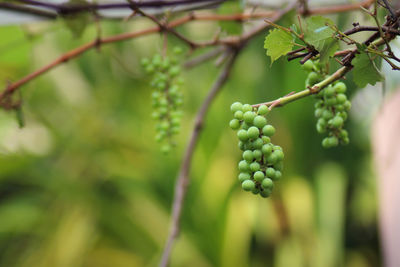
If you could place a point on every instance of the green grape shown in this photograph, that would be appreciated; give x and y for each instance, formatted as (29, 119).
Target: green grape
(268, 130)
(337, 121)
(308, 65)
(266, 139)
(329, 91)
(267, 184)
(255, 191)
(340, 87)
(257, 154)
(253, 132)
(236, 107)
(347, 105)
(248, 185)
(259, 121)
(174, 71)
(244, 176)
(265, 193)
(254, 166)
(272, 158)
(258, 143)
(270, 172)
(247, 107)
(263, 110)
(278, 167)
(327, 114)
(242, 135)
(278, 175)
(341, 98)
(238, 115)
(313, 78)
(178, 50)
(278, 154)
(258, 176)
(318, 112)
(248, 155)
(248, 117)
(243, 166)
(234, 124)
(266, 149)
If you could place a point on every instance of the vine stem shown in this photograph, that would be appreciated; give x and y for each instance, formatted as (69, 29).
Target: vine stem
(183, 177)
(306, 92)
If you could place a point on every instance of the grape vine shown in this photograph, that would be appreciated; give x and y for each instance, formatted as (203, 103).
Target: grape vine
(167, 98)
(261, 162)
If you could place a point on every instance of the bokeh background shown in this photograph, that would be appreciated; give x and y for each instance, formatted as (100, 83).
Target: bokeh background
(85, 184)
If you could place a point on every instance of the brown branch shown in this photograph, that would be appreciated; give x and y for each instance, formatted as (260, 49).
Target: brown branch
(340, 8)
(183, 177)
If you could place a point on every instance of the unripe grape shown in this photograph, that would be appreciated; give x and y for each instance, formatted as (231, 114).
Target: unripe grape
(234, 124)
(178, 50)
(319, 104)
(254, 166)
(340, 87)
(329, 91)
(265, 193)
(270, 172)
(318, 112)
(266, 139)
(245, 126)
(263, 110)
(241, 145)
(345, 140)
(150, 69)
(257, 154)
(331, 101)
(145, 62)
(341, 98)
(268, 130)
(308, 65)
(248, 185)
(247, 107)
(242, 135)
(343, 133)
(278, 175)
(278, 167)
(255, 191)
(337, 121)
(174, 71)
(238, 115)
(259, 121)
(321, 128)
(313, 78)
(244, 176)
(253, 132)
(248, 155)
(258, 143)
(243, 166)
(347, 105)
(266, 149)
(278, 154)
(277, 148)
(267, 184)
(272, 158)
(327, 114)
(343, 115)
(249, 116)
(258, 176)
(236, 106)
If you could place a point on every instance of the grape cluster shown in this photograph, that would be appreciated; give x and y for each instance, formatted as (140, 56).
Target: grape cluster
(167, 98)
(261, 162)
(330, 109)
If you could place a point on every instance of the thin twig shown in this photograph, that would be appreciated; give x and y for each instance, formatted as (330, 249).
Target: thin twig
(204, 57)
(183, 177)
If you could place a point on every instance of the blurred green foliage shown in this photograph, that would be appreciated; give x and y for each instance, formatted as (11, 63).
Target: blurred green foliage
(84, 183)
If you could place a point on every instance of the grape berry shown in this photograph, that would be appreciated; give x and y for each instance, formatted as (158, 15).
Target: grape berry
(261, 162)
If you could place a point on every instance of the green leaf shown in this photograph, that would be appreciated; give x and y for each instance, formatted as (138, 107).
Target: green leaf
(231, 27)
(365, 71)
(278, 43)
(329, 47)
(318, 31)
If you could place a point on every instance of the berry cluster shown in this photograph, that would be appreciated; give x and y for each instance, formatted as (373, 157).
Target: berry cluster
(262, 161)
(330, 109)
(167, 97)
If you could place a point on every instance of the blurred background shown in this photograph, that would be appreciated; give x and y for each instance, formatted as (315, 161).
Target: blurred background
(84, 182)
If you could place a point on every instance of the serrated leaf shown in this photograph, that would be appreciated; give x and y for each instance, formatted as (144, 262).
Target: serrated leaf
(278, 43)
(365, 71)
(231, 27)
(329, 47)
(318, 31)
